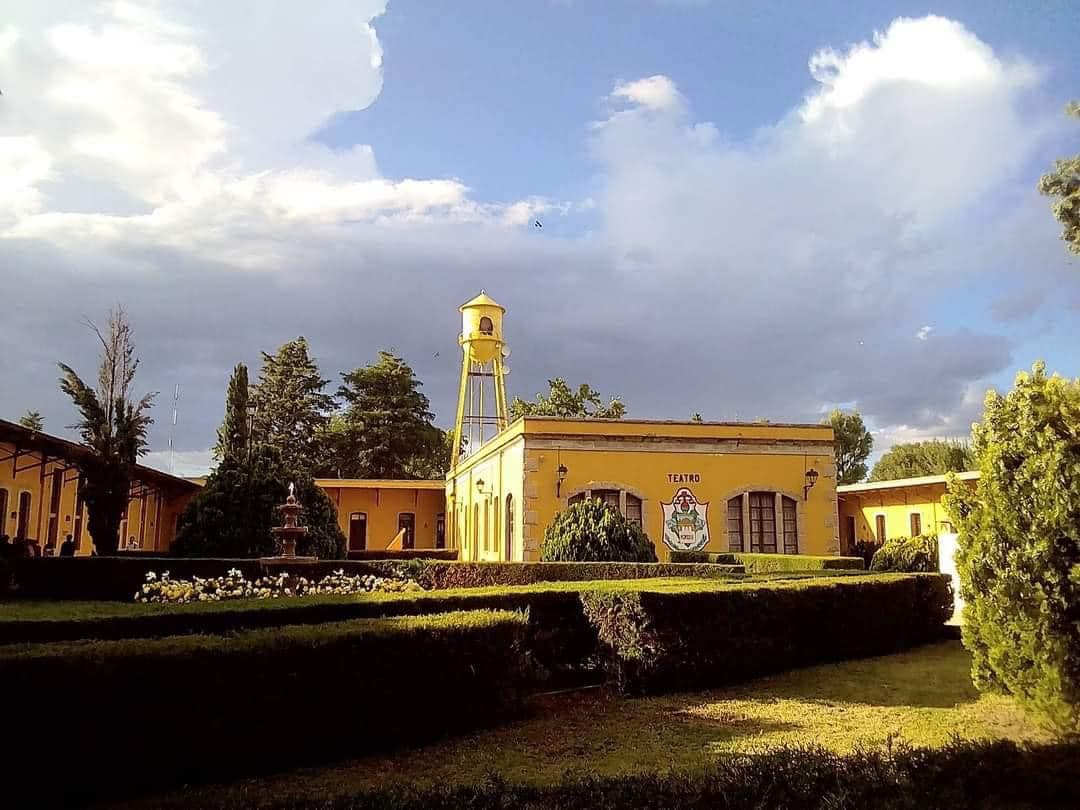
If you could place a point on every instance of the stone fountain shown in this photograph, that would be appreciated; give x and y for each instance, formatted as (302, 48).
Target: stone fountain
(289, 533)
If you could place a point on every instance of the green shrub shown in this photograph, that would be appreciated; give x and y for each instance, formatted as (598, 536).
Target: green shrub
(959, 776)
(659, 641)
(592, 532)
(139, 713)
(1019, 546)
(907, 555)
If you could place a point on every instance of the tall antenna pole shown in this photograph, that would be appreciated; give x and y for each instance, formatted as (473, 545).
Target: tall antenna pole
(172, 426)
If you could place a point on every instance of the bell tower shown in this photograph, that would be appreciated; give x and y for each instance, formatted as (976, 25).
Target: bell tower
(481, 411)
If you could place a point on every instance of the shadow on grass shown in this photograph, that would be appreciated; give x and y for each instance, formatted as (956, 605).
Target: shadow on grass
(933, 676)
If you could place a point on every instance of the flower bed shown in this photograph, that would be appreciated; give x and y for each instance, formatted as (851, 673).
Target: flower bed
(234, 585)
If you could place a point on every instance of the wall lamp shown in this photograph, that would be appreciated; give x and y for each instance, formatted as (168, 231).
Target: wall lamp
(480, 487)
(561, 472)
(811, 479)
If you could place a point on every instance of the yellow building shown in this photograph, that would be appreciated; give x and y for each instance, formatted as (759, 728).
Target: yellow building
(39, 495)
(376, 514)
(905, 507)
(690, 485)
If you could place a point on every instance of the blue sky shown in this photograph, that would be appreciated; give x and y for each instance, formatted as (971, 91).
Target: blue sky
(506, 88)
(749, 210)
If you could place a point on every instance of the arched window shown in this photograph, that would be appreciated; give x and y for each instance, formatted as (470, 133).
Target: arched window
(791, 529)
(763, 522)
(486, 327)
(476, 531)
(509, 527)
(626, 503)
(735, 524)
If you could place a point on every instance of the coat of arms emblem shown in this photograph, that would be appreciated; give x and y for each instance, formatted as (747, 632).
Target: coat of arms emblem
(686, 524)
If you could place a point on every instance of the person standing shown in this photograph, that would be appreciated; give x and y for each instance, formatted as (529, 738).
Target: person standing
(67, 548)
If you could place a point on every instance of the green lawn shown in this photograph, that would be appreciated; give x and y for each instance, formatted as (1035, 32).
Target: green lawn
(34, 610)
(923, 697)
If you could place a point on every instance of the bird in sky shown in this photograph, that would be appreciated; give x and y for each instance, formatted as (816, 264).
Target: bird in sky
(537, 223)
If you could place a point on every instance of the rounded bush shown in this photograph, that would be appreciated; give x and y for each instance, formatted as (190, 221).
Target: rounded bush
(590, 531)
(907, 555)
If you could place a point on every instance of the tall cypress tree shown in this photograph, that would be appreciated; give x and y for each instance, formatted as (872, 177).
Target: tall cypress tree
(292, 410)
(233, 435)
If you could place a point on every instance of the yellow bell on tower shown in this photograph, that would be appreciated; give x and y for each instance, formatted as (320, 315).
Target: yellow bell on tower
(483, 350)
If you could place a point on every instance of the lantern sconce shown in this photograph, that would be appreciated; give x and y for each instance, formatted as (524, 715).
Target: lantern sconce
(811, 479)
(562, 477)
(480, 487)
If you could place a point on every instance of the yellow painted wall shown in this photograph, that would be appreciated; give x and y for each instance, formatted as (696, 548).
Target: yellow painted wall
(719, 477)
(897, 505)
(718, 462)
(383, 505)
(154, 529)
(481, 510)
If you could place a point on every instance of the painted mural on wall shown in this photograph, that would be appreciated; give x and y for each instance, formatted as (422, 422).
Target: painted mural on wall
(686, 524)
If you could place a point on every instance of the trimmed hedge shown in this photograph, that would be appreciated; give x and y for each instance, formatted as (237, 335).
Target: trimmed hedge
(130, 715)
(771, 563)
(118, 578)
(959, 776)
(648, 639)
(663, 641)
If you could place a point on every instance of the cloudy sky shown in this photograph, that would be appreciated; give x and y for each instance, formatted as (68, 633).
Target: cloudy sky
(748, 214)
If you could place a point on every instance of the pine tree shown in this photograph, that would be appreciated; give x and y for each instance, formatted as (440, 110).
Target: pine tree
(386, 430)
(234, 434)
(291, 409)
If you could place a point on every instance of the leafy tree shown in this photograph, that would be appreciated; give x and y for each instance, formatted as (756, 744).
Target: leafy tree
(591, 531)
(235, 432)
(853, 445)
(386, 430)
(1019, 546)
(32, 420)
(291, 409)
(561, 401)
(233, 514)
(913, 459)
(1063, 183)
(113, 425)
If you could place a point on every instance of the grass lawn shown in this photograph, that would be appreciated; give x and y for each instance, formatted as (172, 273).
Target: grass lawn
(66, 610)
(923, 697)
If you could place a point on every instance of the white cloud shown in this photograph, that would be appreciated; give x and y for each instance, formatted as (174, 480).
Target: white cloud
(653, 92)
(924, 332)
(160, 154)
